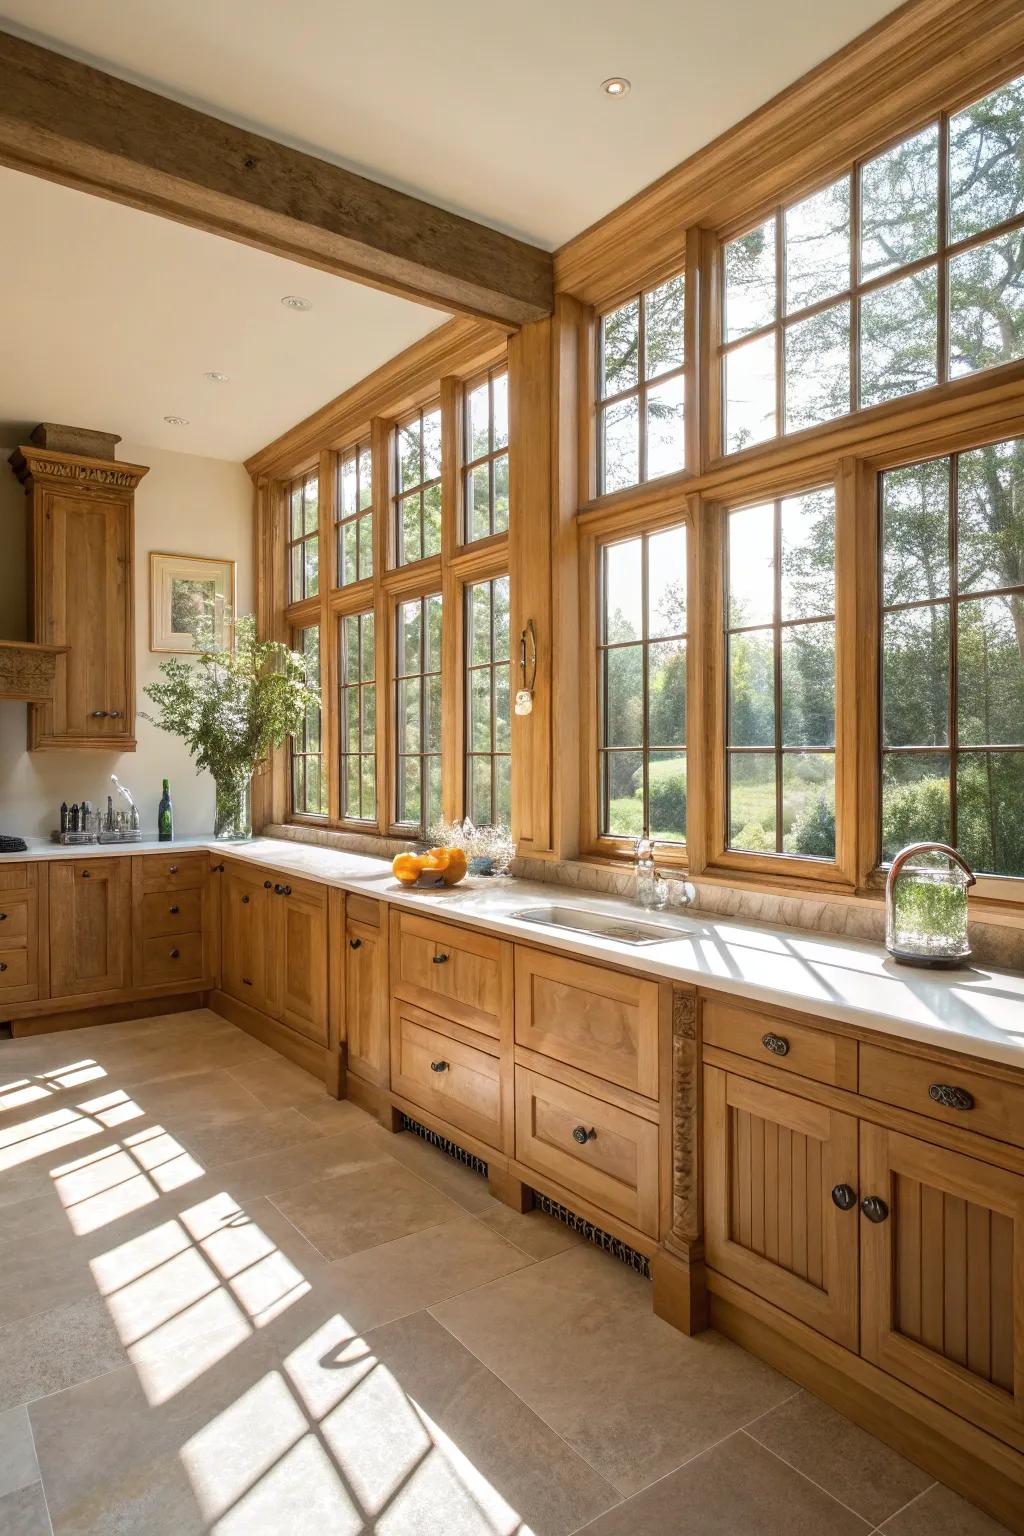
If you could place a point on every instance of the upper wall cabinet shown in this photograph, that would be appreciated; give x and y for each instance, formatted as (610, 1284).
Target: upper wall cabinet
(81, 595)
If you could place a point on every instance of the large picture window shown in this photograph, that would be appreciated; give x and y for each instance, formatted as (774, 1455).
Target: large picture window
(358, 717)
(309, 785)
(952, 536)
(488, 703)
(354, 515)
(485, 456)
(418, 712)
(640, 388)
(642, 686)
(418, 486)
(303, 545)
(902, 274)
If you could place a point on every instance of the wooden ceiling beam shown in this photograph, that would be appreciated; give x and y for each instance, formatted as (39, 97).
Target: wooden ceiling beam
(71, 123)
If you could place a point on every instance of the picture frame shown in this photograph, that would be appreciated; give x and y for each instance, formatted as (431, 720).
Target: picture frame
(181, 587)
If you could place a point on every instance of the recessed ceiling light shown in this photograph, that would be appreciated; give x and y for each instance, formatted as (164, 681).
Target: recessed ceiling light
(176, 421)
(296, 301)
(217, 378)
(616, 86)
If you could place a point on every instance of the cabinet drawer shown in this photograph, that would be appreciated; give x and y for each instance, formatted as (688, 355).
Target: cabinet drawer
(452, 971)
(796, 1048)
(178, 957)
(589, 1017)
(17, 877)
(13, 970)
(456, 1081)
(173, 871)
(360, 909)
(991, 1106)
(14, 920)
(170, 912)
(605, 1153)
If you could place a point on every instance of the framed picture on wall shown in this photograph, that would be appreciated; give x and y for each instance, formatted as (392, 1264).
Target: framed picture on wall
(191, 603)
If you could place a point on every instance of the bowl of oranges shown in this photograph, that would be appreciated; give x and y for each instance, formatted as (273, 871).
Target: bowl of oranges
(436, 867)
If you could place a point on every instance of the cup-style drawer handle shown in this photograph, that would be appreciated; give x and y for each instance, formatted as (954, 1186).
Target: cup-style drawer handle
(440, 959)
(175, 954)
(99, 714)
(950, 1097)
(115, 714)
(439, 1066)
(874, 1208)
(844, 1196)
(776, 1044)
(582, 1135)
(174, 911)
(355, 943)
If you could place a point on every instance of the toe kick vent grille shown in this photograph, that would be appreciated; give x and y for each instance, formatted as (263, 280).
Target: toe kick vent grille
(593, 1234)
(449, 1148)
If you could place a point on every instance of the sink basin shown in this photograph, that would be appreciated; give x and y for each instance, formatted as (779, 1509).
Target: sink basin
(606, 924)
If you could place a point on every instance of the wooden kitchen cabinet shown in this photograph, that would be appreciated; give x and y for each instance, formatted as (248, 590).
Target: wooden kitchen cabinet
(245, 936)
(20, 931)
(367, 1022)
(82, 595)
(90, 925)
(297, 982)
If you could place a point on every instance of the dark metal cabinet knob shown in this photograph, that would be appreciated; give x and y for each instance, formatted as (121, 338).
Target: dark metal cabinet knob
(267, 884)
(777, 1044)
(172, 869)
(174, 911)
(950, 1097)
(3, 917)
(439, 1066)
(286, 890)
(844, 1196)
(246, 981)
(3, 965)
(99, 714)
(175, 954)
(245, 901)
(115, 714)
(86, 874)
(218, 869)
(582, 1135)
(278, 889)
(874, 1208)
(440, 959)
(355, 943)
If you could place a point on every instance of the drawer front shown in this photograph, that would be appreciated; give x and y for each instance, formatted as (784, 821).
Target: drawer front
(451, 971)
(604, 1153)
(170, 912)
(14, 916)
(17, 877)
(455, 1081)
(589, 1017)
(795, 1048)
(178, 957)
(13, 970)
(173, 871)
(932, 1088)
(360, 909)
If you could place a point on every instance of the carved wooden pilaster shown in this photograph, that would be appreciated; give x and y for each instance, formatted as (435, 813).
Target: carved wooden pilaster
(687, 1208)
(27, 671)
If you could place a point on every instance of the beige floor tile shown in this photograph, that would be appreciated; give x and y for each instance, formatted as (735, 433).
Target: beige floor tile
(536, 1234)
(199, 1100)
(349, 1212)
(18, 1465)
(940, 1512)
(57, 1349)
(453, 1178)
(47, 1271)
(847, 1462)
(24, 1513)
(576, 1338)
(28, 1218)
(735, 1489)
(319, 1157)
(330, 1114)
(255, 1135)
(279, 1084)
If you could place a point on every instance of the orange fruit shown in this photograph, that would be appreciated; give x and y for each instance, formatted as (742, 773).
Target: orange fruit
(406, 867)
(456, 866)
(435, 858)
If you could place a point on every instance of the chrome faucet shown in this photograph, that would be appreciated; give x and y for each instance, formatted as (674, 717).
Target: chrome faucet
(646, 873)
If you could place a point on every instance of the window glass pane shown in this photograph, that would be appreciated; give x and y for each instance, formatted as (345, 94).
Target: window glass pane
(432, 444)
(990, 811)
(666, 582)
(915, 532)
(432, 713)
(295, 510)
(751, 557)
(666, 779)
(410, 529)
(808, 664)
(499, 390)
(623, 795)
(624, 696)
(369, 717)
(311, 566)
(809, 804)
(410, 634)
(750, 281)
(410, 463)
(752, 801)
(409, 791)
(666, 444)
(500, 599)
(986, 162)
(990, 671)
(368, 655)
(899, 338)
(666, 693)
(986, 305)
(817, 238)
(365, 478)
(899, 210)
(367, 789)
(311, 497)
(620, 444)
(818, 368)
(990, 518)
(349, 552)
(750, 394)
(410, 724)
(433, 808)
(915, 677)
(502, 708)
(365, 547)
(808, 554)
(915, 800)
(620, 348)
(433, 657)
(295, 573)
(478, 421)
(500, 472)
(480, 726)
(752, 688)
(481, 810)
(623, 594)
(478, 499)
(663, 327)
(349, 494)
(480, 623)
(432, 520)
(503, 790)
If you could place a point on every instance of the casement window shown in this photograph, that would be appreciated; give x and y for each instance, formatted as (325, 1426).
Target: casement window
(640, 388)
(780, 640)
(641, 678)
(357, 717)
(302, 497)
(309, 783)
(488, 785)
(417, 712)
(485, 456)
(354, 515)
(417, 486)
(952, 655)
(900, 275)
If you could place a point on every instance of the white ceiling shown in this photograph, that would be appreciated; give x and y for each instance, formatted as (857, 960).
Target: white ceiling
(490, 109)
(112, 317)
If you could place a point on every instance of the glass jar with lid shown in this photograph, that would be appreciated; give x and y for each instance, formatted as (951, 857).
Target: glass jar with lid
(926, 906)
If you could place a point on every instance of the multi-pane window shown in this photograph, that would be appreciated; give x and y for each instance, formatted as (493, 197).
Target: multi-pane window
(354, 515)
(357, 711)
(309, 783)
(953, 656)
(640, 388)
(485, 454)
(642, 686)
(488, 703)
(900, 275)
(418, 712)
(418, 486)
(303, 494)
(781, 676)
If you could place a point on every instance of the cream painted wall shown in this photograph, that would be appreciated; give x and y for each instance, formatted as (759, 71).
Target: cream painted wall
(185, 504)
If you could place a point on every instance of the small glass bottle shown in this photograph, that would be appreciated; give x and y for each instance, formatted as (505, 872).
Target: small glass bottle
(165, 816)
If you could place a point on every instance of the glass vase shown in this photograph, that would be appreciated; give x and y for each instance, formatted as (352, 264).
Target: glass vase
(233, 814)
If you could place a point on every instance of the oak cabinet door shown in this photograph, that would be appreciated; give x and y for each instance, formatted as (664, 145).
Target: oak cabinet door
(298, 986)
(89, 926)
(943, 1277)
(245, 934)
(367, 1026)
(772, 1224)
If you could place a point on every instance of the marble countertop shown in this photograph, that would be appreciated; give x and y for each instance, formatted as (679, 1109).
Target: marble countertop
(974, 1010)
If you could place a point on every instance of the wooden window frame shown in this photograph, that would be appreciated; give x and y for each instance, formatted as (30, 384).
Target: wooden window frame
(342, 520)
(643, 387)
(489, 458)
(468, 755)
(302, 539)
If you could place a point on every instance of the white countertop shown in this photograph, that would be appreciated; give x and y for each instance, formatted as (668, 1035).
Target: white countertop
(974, 1010)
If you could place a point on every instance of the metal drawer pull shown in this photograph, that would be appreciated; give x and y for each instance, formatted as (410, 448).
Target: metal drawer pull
(776, 1044)
(115, 714)
(278, 889)
(3, 965)
(844, 1196)
(286, 891)
(245, 901)
(218, 869)
(267, 884)
(86, 874)
(99, 714)
(582, 1135)
(3, 917)
(874, 1208)
(355, 943)
(951, 1097)
(440, 959)
(174, 911)
(439, 1066)
(175, 954)
(246, 981)
(172, 869)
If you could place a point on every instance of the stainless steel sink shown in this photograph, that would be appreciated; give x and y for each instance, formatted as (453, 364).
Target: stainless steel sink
(623, 929)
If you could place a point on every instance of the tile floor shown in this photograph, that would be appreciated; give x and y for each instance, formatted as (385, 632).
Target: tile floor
(231, 1305)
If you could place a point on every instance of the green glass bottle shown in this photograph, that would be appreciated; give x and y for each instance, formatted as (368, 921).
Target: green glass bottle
(165, 816)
